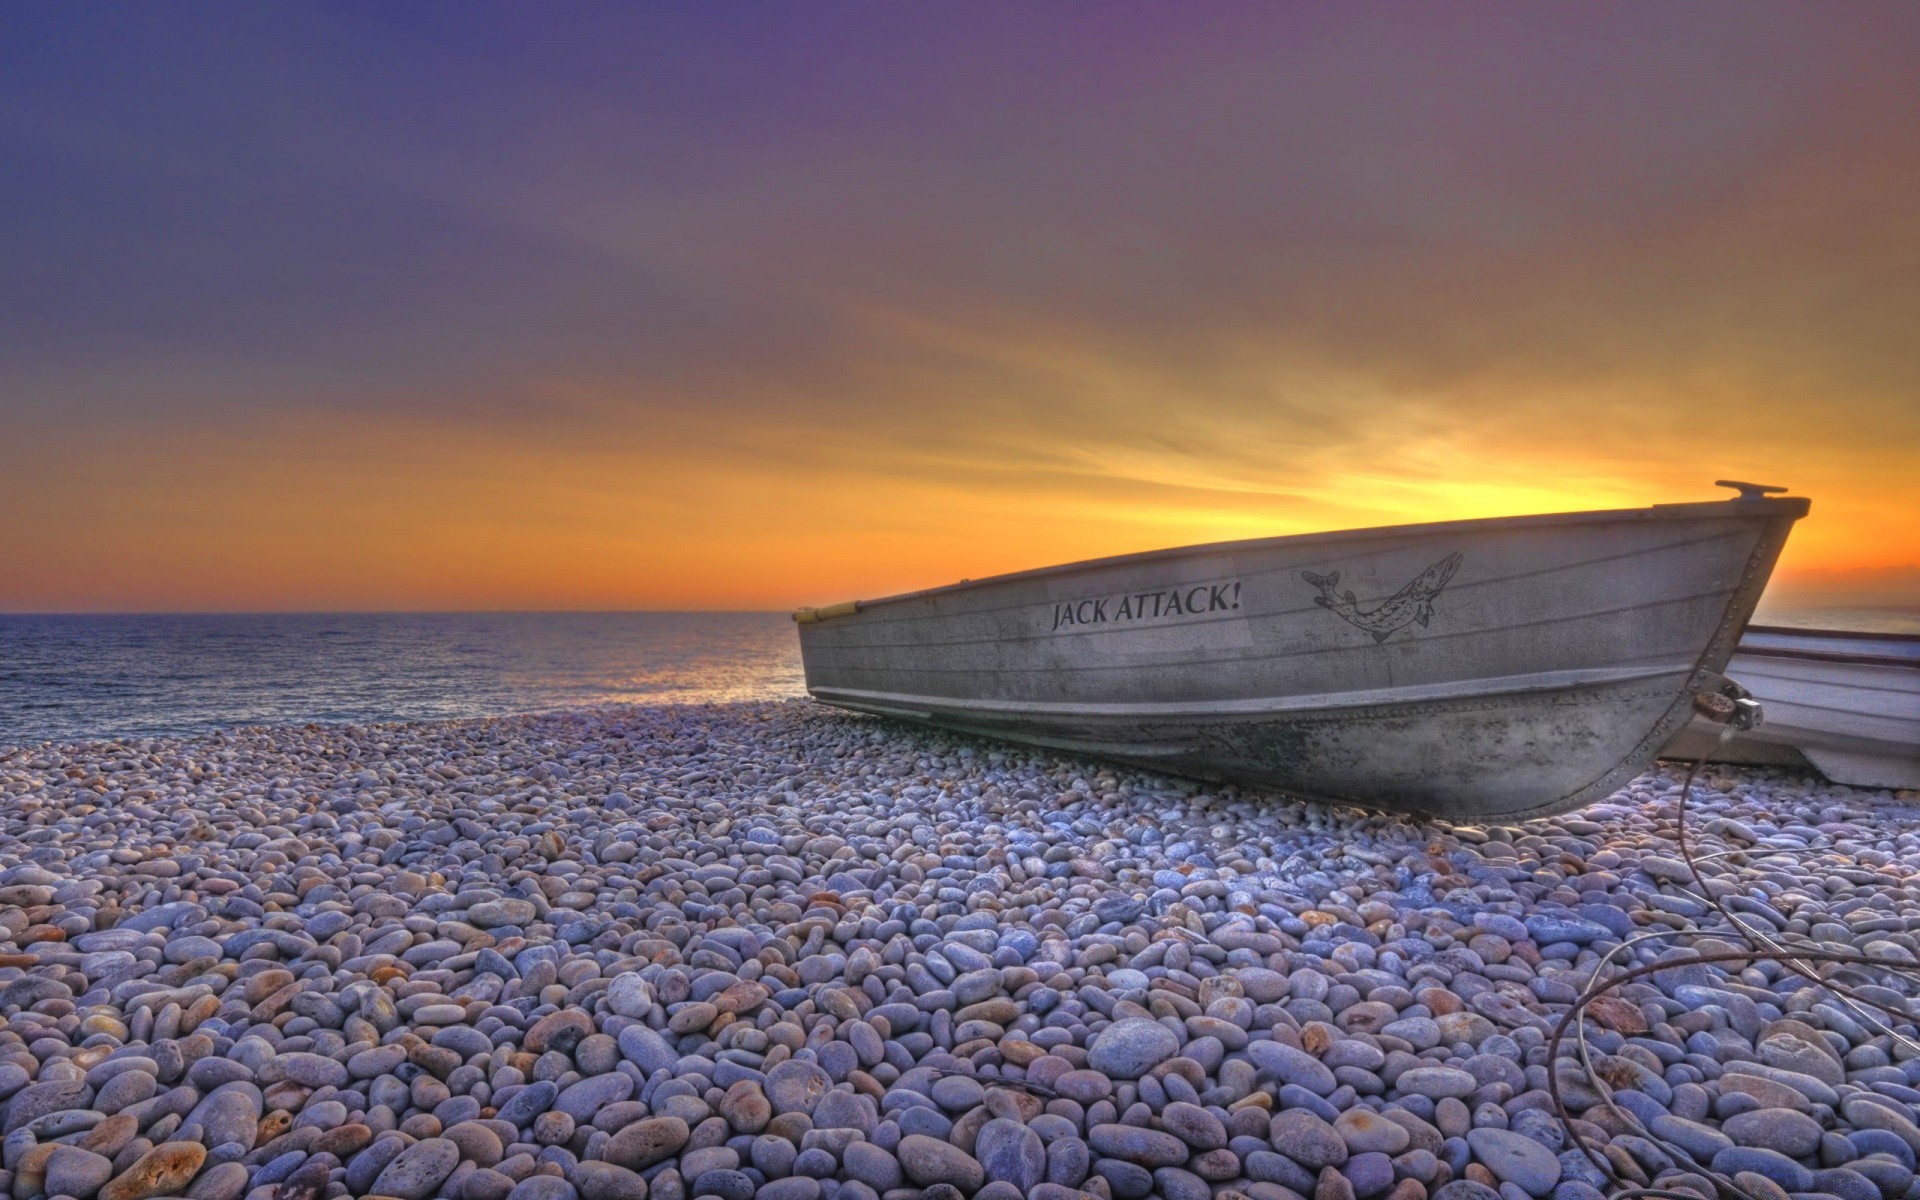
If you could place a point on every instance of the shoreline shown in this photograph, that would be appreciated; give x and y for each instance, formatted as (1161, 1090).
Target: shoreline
(766, 949)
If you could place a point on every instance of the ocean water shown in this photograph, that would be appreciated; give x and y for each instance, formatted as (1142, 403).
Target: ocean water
(1865, 620)
(73, 677)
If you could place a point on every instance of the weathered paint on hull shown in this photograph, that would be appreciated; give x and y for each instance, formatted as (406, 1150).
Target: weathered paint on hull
(1472, 670)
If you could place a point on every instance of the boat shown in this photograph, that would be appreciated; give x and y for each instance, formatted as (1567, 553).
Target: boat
(1845, 703)
(1480, 670)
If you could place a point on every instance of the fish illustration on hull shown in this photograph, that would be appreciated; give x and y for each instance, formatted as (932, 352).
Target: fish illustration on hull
(1411, 603)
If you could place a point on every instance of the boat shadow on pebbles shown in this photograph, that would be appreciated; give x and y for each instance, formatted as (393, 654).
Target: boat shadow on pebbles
(765, 951)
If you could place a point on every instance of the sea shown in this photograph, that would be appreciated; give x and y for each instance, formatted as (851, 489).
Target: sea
(72, 677)
(86, 677)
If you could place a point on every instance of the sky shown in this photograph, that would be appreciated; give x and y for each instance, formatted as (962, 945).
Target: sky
(362, 306)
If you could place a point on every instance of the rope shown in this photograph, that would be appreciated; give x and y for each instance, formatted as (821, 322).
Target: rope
(1762, 945)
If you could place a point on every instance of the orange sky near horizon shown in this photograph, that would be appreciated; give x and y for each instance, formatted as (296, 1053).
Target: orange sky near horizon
(563, 335)
(659, 511)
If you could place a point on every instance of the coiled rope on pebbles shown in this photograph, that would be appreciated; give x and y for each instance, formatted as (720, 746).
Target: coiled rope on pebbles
(1801, 960)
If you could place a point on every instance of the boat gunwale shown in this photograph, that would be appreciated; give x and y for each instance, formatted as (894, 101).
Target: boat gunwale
(1852, 635)
(1832, 657)
(1771, 506)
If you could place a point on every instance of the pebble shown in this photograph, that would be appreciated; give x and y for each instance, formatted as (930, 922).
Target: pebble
(161, 1171)
(1438, 1083)
(770, 952)
(419, 1170)
(71, 1171)
(1307, 1139)
(1515, 1158)
(927, 1161)
(1129, 1048)
(1793, 1134)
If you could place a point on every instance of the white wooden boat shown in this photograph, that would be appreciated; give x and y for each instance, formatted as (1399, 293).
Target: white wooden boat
(1469, 669)
(1845, 703)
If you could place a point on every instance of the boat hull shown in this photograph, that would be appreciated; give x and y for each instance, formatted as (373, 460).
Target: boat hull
(1846, 704)
(1472, 670)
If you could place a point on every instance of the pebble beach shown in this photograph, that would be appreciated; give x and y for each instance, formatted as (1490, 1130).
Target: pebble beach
(764, 950)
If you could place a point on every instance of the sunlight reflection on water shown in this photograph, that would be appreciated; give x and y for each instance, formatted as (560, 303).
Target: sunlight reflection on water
(64, 677)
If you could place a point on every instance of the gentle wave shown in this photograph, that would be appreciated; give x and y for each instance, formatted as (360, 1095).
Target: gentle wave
(100, 676)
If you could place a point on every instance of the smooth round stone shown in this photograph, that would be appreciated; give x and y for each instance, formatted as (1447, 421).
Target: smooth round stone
(71, 1171)
(1129, 1048)
(543, 1187)
(798, 1187)
(529, 1102)
(872, 1166)
(927, 1162)
(773, 1156)
(1292, 1067)
(1890, 1177)
(587, 1097)
(796, 1086)
(1193, 1125)
(646, 1049)
(1790, 1052)
(629, 996)
(956, 1093)
(815, 1162)
(230, 1114)
(724, 1183)
(1769, 1164)
(1791, 1133)
(477, 1141)
(1846, 1184)
(646, 1142)
(1369, 1174)
(927, 1121)
(371, 1064)
(1423, 1033)
(1515, 1158)
(1365, 1131)
(1307, 1139)
(307, 1070)
(1084, 1086)
(47, 1096)
(1438, 1083)
(1266, 1166)
(1882, 1141)
(1126, 1180)
(708, 1158)
(492, 914)
(604, 1181)
(1010, 1152)
(419, 1169)
(161, 1171)
(1148, 1147)
(222, 1181)
(597, 1055)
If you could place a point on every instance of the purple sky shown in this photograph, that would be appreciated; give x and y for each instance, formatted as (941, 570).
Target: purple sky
(346, 305)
